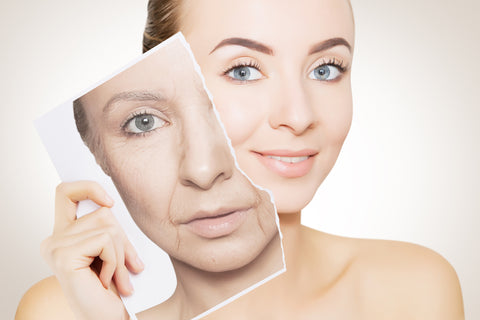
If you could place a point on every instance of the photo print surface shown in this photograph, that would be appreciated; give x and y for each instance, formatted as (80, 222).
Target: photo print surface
(151, 137)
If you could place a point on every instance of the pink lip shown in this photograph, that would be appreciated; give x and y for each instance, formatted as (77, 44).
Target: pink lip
(286, 169)
(218, 223)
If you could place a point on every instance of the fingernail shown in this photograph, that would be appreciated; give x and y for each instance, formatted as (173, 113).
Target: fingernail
(108, 200)
(140, 262)
(130, 287)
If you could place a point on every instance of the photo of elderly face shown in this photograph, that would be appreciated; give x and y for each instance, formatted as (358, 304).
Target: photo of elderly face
(153, 129)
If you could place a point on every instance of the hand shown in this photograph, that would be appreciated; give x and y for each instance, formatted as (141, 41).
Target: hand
(86, 254)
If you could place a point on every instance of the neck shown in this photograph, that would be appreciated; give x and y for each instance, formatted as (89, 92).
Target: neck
(290, 224)
(198, 290)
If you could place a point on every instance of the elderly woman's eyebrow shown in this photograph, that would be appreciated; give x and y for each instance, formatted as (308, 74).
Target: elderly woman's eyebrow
(132, 96)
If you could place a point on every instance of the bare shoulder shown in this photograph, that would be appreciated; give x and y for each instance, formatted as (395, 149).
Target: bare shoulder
(44, 300)
(389, 279)
(406, 278)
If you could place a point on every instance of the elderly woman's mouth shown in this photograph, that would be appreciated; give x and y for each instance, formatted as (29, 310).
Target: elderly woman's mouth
(218, 223)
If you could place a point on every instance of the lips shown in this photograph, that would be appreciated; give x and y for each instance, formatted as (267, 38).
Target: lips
(288, 159)
(287, 163)
(218, 223)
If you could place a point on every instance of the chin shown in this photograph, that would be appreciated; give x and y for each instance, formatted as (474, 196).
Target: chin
(288, 204)
(222, 263)
(292, 196)
(239, 254)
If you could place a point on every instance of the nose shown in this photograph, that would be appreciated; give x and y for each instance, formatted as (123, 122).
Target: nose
(292, 108)
(206, 158)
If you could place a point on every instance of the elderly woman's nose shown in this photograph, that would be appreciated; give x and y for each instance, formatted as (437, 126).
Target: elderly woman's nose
(206, 157)
(292, 108)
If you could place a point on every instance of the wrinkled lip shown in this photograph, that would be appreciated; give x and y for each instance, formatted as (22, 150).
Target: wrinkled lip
(214, 213)
(217, 223)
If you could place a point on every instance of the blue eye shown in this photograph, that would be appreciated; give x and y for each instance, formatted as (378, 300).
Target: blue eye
(244, 73)
(325, 72)
(143, 123)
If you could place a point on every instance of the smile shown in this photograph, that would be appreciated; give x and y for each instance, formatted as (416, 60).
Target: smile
(289, 159)
(286, 163)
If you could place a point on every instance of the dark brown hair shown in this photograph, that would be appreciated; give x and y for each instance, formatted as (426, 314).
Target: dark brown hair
(81, 120)
(162, 22)
(91, 140)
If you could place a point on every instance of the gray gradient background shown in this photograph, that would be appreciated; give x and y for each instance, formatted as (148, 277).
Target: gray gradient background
(410, 169)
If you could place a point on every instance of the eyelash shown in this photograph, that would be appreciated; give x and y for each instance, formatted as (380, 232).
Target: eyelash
(250, 63)
(133, 116)
(340, 64)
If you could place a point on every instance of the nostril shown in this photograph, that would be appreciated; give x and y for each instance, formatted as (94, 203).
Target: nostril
(203, 172)
(203, 181)
(293, 109)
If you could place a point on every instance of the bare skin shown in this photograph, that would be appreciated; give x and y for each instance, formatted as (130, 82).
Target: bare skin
(327, 277)
(70, 251)
(333, 277)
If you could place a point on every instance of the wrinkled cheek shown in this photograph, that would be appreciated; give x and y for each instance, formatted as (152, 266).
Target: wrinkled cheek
(127, 183)
(125, 171)
(266, 217)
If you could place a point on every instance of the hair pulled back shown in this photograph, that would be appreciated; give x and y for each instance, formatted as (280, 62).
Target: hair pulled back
(162, 22)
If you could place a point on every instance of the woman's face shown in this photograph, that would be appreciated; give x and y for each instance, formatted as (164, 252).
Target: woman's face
(279, 73)
(160, 141)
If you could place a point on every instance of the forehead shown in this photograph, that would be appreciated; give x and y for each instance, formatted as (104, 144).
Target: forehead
(167, 70)
(275, 22)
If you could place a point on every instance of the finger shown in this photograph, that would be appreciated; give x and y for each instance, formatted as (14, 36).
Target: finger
(74, 248)
(122, 276)
(132, 259)
(109, 225)
(68, 194)
(109, 260)
(101, 218)
(71, 241)
(104, 218)
(100, 245)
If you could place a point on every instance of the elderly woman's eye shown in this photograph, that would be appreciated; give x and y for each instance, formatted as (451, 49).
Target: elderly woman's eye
(244, 73)
(143, 123)
(325, 72)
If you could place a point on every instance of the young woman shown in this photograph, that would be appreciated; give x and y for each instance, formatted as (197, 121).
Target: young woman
(279, 73)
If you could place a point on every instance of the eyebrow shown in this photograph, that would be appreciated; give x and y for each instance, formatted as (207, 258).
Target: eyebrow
(132, 96)
(329, 43)
(247, 43)
(257, 46)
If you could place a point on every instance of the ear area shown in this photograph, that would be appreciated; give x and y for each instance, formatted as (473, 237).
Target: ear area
(96, 148)
(89, 138)
(101, 161)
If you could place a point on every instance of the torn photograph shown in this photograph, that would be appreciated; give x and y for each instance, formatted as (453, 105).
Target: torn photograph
(190, 230)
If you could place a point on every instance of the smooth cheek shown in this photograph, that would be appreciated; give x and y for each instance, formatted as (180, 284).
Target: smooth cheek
(241, 108)
(337, 114)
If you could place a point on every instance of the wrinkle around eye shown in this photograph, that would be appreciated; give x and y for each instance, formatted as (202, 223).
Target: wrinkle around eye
(143, 123)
